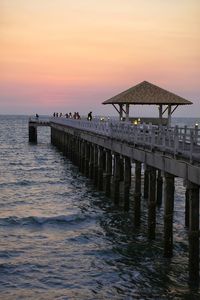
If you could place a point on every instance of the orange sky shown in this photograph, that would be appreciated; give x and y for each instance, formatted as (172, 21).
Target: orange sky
(72, 55)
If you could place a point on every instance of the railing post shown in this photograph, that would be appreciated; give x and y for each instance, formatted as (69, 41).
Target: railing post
(191, 144)
(176, 140)
(153, 138)
(184, 137)
(196, 134)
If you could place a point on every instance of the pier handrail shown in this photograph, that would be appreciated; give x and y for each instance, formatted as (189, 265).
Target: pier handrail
(182, 141)
(39, 119)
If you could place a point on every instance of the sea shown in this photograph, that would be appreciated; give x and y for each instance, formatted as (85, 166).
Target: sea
(60, 238)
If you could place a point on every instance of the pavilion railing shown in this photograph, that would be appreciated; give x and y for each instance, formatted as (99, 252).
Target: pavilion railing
(181, 141)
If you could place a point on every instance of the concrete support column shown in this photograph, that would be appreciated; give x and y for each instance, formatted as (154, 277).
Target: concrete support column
(159, 187)
(116, 178)
(152, 203)
(57, 138)
(82, 157)
(100, 168)
(72, 146)
(108, 173)
(137, 194)
(87, 157)
(52, 135)
(65, 144)
(194, 233)
(127, 181)
(104, 161)
(146, 181)
(187, 194)
(121, 164)
(32, 134)
(95, 175)
(91, 162)
(76, 152)
(168, 214)
(79, 155)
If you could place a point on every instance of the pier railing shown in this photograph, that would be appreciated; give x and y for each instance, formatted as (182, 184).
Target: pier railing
(40, 121)
(181, 141)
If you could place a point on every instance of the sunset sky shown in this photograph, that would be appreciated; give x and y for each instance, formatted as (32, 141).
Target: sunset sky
(71, 55)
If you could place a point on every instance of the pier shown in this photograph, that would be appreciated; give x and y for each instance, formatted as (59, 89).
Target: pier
(105, 151)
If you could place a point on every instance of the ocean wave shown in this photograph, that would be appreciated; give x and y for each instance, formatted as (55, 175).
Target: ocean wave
(38, 221)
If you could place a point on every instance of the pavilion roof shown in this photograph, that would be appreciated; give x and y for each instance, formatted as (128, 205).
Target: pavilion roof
(147, 93)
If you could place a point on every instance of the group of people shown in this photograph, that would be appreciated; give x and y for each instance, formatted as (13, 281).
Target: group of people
(67, 115)
(75, 116)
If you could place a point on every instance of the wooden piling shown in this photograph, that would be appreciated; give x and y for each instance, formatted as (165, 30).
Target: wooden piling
(187, 207)
(159, 189)
(146, 182)
(91, 162)
(32, 134)
(116, 178)
(137, 194)
(127, 181)
(108, 172)
(100, 168)
(152, 203)
(168, 214)
(87, 157)
(194, 233)
(82, 156)
(95, 174)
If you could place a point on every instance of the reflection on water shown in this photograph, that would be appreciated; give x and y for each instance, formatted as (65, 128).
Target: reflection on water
(61, 239)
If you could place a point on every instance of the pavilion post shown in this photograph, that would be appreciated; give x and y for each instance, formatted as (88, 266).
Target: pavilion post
(127, 111)
(169, 115)
(160, 114)
(121, 112)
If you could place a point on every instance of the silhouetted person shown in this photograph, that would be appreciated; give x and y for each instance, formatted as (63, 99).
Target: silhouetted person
(89, 117)
(37, 117)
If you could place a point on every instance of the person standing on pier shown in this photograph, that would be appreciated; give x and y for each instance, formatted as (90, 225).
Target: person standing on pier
(89, 117)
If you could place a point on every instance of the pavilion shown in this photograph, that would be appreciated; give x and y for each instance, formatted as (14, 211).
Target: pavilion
(146, 93)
